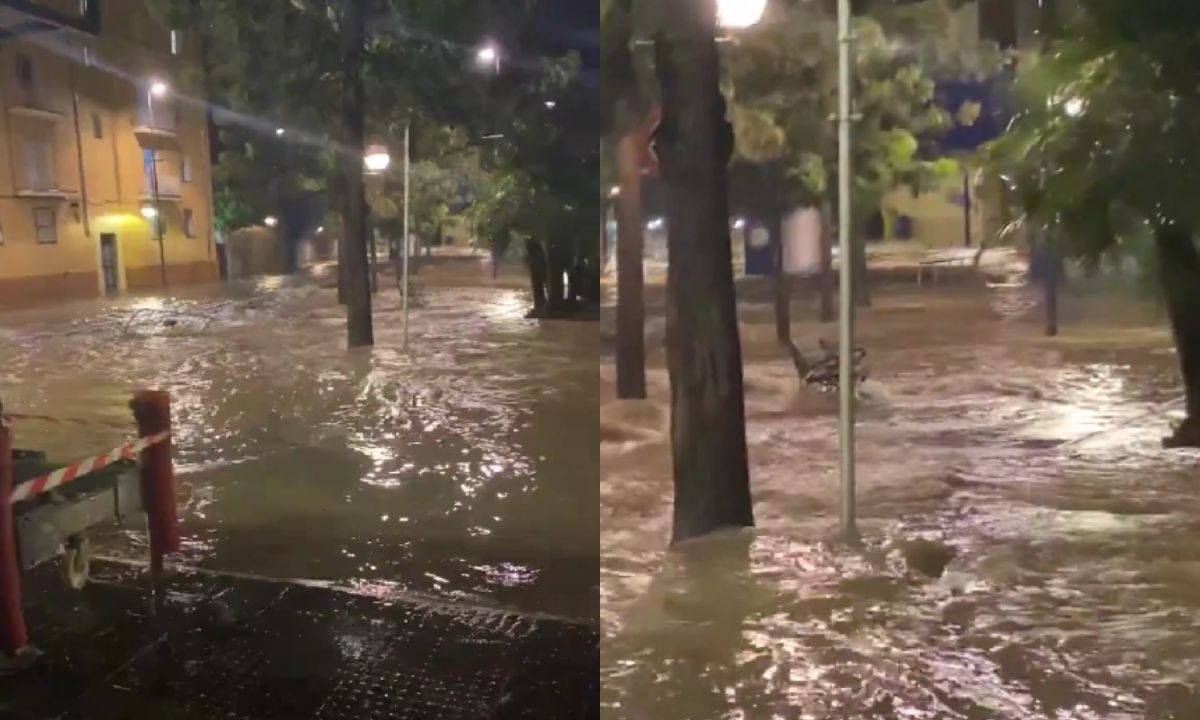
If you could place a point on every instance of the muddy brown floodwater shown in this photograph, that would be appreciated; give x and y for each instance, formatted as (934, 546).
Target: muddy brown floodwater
(459, 469)
(1075, 592)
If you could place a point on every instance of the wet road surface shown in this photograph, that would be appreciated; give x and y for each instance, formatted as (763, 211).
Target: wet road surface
(1074, 592)
(458, 470)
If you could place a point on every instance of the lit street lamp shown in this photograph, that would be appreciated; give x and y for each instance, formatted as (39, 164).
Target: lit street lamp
(488, 56)
(149, 212)
(738, 14)
(158, 89)
(271, 221)
(377, 159)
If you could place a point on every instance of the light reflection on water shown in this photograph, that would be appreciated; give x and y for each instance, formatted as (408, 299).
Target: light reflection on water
(290, 449)
(1076, 586)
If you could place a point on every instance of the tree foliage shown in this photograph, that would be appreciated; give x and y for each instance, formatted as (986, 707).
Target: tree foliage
(781, 79)
(1106, 146)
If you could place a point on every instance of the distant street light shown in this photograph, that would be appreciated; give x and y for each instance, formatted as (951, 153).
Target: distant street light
(550, 104)
(488, 56)
(736, 14)
(614, 191)
(320, 229)
(739, 223)
(655, 224)
(149, 212)
(377, 159)
(271, 221)
(280, 131)
(158, 89)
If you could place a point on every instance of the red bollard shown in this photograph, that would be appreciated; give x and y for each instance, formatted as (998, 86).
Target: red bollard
(14, 636)
(152, 410)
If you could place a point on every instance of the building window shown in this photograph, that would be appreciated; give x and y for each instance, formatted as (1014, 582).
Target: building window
(39, 162)
(97, 127)
(45, 220)
(186, 168)
(25, 73)
(189, 224)
(174, 42)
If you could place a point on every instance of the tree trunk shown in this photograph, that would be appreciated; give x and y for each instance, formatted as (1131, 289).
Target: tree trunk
(862, 287)
(558, 286)
(704, 358)
(535, 258)
(1051, 288)
(341, 253)
(359, 329)
(1179, 271)
(826, 281)
(783, 289)
(631, 311)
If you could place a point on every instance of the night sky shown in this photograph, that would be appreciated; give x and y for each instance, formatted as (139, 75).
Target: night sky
(573, 25)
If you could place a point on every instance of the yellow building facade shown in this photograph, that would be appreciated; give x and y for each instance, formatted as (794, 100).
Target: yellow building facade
(98, 131)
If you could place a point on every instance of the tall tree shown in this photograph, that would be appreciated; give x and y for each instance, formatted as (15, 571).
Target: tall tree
(694, 144)
(1113, 110)
(626, 127)
(359, 329)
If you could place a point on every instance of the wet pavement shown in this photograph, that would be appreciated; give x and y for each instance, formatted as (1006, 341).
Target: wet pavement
(220, 647)
(462, 467)
(1073, 592)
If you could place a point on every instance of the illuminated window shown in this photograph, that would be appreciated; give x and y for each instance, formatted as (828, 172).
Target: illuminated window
(186, 169)
(189, 224)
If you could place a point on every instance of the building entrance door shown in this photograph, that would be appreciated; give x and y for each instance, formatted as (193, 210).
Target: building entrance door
(108, 262)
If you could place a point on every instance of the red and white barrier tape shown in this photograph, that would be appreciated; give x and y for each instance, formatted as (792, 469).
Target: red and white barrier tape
(67, 421)
(129, 451)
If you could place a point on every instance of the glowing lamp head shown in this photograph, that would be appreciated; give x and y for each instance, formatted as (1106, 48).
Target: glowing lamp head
(737, 14)
(271, 221)
(159, 89)
(377, 159)
(149, 212)
(487, 55)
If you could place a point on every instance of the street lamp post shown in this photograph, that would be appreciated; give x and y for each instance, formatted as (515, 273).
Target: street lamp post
(846, 275)
(377, 161)
(158, 88)
(407, 167)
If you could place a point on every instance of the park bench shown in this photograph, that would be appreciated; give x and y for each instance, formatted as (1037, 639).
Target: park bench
(933, 261)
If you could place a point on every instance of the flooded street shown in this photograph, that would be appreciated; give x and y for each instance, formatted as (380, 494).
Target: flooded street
(459, 469)
(1075, 590)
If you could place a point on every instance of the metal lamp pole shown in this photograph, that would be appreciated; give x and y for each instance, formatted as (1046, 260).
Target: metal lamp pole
(404, 285)
(158, 222)
(846, 265)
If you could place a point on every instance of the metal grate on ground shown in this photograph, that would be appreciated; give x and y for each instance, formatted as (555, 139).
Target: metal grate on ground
(234, 649)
